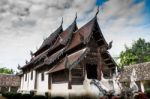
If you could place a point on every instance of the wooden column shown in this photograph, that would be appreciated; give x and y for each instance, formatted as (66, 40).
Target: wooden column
(142, 86)
(100, 63)
(22, 82)
(110, 74)
(84, 68)
(49, 81)
(69, 83)
(9, 89)
(35, 83)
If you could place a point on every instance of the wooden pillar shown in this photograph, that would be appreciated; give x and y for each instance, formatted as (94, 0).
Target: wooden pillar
(84, 69)
(110, 72)
(35, 82)
(142, 86)
(28, 80)
(100, 63)
(9, 89)
(22, 82)
(69, 83)
(49, 81)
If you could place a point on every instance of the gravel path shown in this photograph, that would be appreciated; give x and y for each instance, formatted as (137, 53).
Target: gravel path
(2, 97)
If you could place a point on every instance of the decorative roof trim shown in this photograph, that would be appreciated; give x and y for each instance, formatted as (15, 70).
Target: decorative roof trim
(51, 39)
(66, 64)
(86, 50)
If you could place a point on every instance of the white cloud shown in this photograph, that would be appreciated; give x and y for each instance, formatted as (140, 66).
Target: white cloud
(121, 21)
(24, 24)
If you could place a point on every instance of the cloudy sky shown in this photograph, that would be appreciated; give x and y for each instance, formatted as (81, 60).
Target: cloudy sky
(25, 23)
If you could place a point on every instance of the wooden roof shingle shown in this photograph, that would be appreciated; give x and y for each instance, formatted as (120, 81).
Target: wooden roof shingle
(7, 80)
(69, 61)
(49, 40)
(141, 71)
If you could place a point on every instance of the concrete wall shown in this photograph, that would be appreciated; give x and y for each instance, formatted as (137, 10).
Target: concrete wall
(28, 84)
(31, 82)
(60, 89)
(57, 89)
(42, 86)
(22, 83)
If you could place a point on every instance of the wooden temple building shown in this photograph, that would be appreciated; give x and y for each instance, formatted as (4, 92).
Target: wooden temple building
(66, 58)
(141, 76)
(9, 83)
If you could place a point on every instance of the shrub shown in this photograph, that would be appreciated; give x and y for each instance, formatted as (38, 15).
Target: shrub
(46, 95)
(147, 91)
(38, 97)
(26, 96)
(16, 96)
(58, 98)
(8, 95)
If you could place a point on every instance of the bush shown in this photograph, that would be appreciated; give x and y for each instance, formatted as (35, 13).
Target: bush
(38, 97)
(58, 98)
(147, 91)
(16, 96)
(8, 95)
(26, 96)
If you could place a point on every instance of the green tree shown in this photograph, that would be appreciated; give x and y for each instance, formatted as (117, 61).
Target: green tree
(139, 52)
(4, 70)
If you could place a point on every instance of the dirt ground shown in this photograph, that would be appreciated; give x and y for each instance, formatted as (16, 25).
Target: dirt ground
(2, 97)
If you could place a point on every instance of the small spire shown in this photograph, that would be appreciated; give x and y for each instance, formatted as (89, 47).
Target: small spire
(97, 10)
(18, 67)
(62, 21)
(26, 62)
(76, 16)
(81, 37)
(60, 39)
(110, 44)
(66, 61)
(31, 53)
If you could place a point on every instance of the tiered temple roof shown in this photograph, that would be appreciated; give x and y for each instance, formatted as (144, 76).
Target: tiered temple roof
(48, 42)
(64, 49)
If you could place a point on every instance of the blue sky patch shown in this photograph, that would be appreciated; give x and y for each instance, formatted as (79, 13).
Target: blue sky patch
(100, 2)
(146, 11)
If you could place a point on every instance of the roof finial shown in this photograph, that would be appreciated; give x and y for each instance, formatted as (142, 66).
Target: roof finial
(110, 44)
(66, 61)
(26, 61)
(31, 53)
(97, 10)
(76, 16)
(19, 67)
(62, 21)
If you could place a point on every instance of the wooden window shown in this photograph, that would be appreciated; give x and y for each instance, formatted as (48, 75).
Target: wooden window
(61, 76)
(32, 75)
(42, 76)
(25, 77)
(77, 76)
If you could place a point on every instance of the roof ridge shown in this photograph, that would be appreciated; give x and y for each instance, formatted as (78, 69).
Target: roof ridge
(50, 39)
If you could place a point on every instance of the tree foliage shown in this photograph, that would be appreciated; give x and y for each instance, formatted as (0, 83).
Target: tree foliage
(139, 52)
(4, 70)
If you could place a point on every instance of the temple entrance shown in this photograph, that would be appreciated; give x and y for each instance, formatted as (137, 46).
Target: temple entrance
(91, 70)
